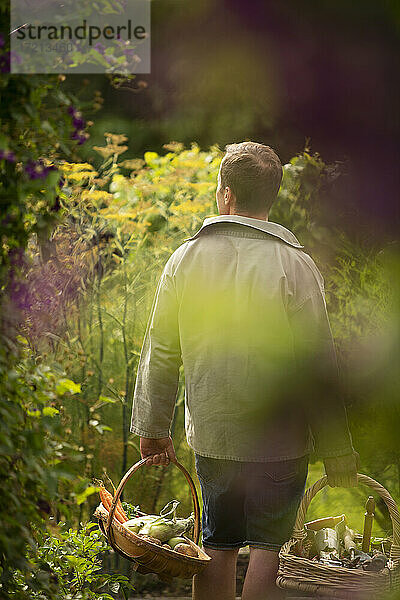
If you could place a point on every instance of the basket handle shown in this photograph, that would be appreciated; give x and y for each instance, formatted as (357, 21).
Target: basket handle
(128, 475)
(298, 531)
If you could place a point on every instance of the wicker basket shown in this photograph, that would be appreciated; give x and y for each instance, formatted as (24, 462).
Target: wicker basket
(146, 556)
(304, 575)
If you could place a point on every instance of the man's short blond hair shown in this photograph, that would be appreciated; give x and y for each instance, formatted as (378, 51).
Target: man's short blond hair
(253, 172)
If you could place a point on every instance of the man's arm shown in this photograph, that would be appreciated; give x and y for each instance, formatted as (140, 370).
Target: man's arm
(321, 390)
(158, 376)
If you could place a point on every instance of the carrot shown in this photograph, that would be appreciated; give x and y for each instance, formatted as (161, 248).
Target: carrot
(119, 505)
(106, 500)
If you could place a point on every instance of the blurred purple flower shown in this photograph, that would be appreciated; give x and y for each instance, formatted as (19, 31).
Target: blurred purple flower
(2, 42)
(100, 48)
(7, 155)
(80, 136)
(37, 170)
(78, 122)
(72, 110)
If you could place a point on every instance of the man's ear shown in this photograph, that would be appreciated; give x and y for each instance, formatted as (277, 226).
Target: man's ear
(229, 200)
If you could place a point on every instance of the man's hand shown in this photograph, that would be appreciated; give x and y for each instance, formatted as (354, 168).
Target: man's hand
(159, 451)
(342, 470)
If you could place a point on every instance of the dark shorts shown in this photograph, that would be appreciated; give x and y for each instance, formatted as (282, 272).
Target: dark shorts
(250, 503)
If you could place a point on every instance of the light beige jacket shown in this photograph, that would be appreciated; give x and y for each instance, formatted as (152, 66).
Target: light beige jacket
(242, 306)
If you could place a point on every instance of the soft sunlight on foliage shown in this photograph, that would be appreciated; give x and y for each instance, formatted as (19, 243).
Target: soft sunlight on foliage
(122, 222)
(85, 309)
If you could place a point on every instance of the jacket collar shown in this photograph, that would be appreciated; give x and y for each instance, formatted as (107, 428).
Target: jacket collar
(269, 227)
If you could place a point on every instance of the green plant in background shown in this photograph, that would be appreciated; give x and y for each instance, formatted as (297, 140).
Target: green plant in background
(363, 293)
(68, 565)
(36, 458)
(39, 125)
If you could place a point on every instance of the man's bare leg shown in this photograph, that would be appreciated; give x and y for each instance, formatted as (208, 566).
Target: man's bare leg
(218, 580)
(259, 583)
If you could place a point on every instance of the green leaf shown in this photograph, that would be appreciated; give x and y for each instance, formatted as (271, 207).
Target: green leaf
(89, 491)
(67, 385)
(74, 561)
(107, 400)
(102, 428)
(50, 411)
(34, 412)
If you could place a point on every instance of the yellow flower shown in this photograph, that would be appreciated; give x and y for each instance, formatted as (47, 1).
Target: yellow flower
(110, 149)
(115, 138)
(190, 207)
(81, 175)
(135, 164)
(96, 195)
(76, 167)
(115, 216)
(174, 146)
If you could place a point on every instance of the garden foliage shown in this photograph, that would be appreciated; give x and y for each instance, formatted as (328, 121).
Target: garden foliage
(39, 125)
(122, 221)
(83, 245)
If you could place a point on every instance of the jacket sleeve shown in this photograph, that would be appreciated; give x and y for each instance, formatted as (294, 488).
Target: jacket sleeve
(158, 369)
(320, 387)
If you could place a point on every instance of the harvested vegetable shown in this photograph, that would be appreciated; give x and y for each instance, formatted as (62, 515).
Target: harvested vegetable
(106, 500)
(130, 510)
(126, 509)
(175, 541)
(165, 530)
(167, 525)
(157, 529)
(186, 549)
(139, 522)
(119, 508)
(164, 526)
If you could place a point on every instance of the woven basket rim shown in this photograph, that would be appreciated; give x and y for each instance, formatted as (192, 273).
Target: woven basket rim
(102, 513)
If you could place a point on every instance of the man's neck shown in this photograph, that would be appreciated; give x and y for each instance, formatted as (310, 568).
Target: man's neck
(263, 217)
